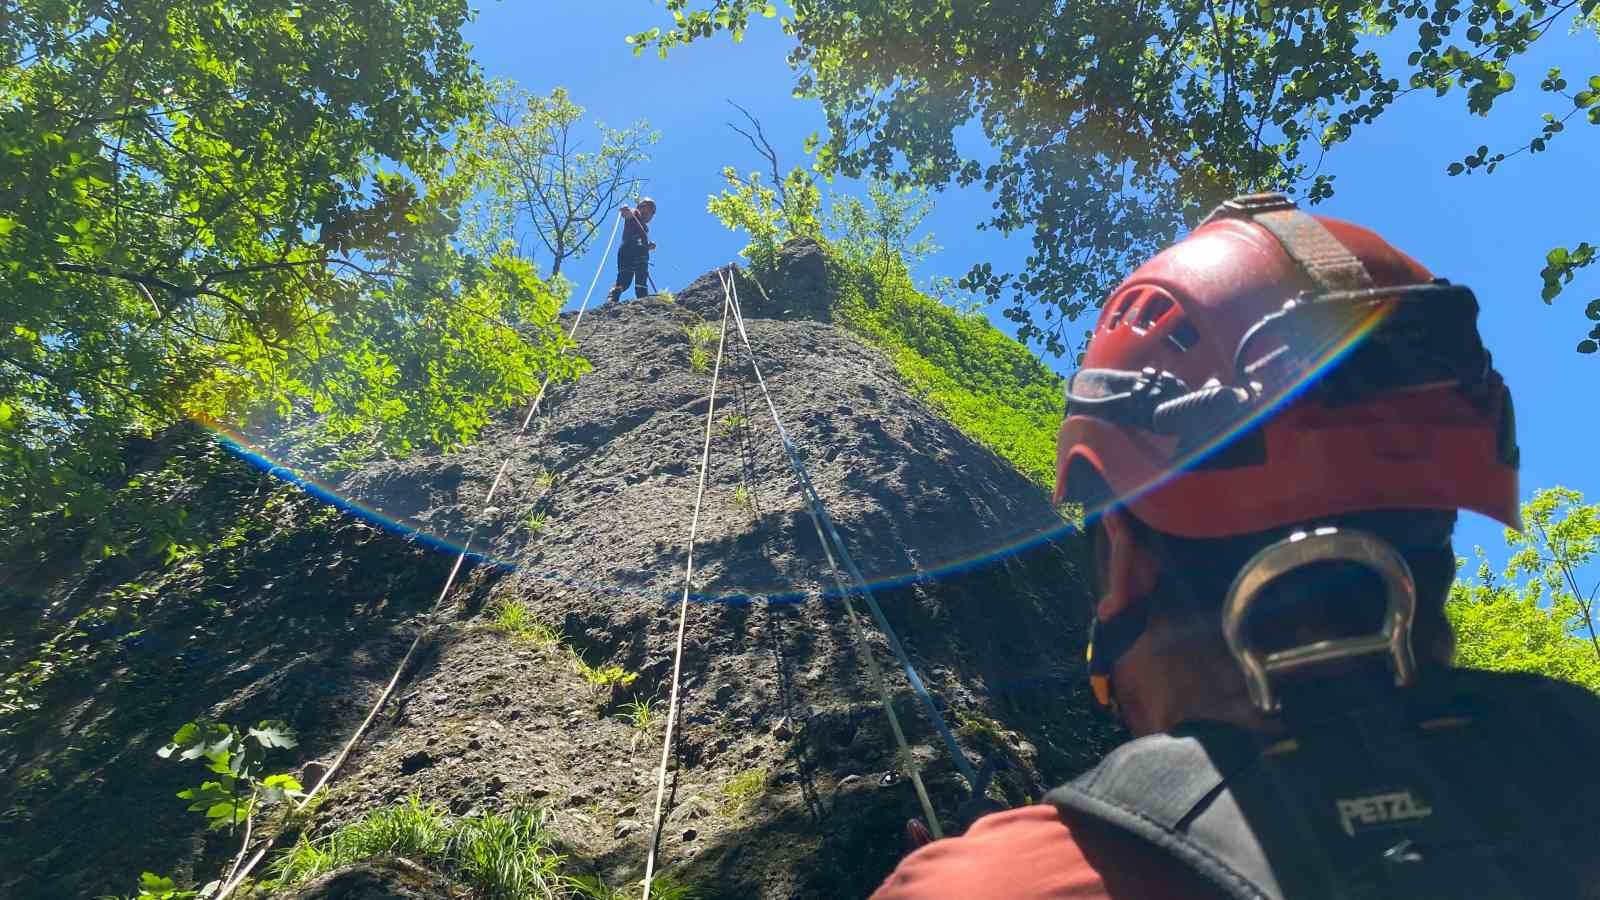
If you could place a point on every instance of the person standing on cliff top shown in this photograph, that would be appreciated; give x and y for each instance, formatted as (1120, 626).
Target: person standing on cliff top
(633, 257)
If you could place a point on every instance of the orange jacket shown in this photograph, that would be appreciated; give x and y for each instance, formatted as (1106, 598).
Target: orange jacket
(1030, 854)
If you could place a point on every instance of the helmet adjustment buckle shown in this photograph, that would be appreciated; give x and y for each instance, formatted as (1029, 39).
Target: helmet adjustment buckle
(1247, 206)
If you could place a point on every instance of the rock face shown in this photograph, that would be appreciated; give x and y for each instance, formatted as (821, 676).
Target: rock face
(785, 782)
(800, 288)
(379, 879)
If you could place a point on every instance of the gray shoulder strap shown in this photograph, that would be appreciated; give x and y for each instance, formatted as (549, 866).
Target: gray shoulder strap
(1170, 791)
(1473, 784)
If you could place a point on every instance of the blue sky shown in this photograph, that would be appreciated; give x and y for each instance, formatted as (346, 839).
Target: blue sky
(1489, 232)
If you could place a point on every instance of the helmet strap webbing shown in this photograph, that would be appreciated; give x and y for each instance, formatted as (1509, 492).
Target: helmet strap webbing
(1108, 641)
(1325, 260)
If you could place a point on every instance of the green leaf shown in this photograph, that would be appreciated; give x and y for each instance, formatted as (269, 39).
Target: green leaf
(275, 788)
(7, 225)
(1592, 311)
(155, 883)
(227, 813)
(219, 743)
(186, 736)
(207, 795)
(284, 781)
(273, 734)
(1587, 346)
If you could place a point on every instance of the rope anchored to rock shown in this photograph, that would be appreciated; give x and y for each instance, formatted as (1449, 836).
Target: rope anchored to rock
(840, 563)
(833, 544)
(683, 612)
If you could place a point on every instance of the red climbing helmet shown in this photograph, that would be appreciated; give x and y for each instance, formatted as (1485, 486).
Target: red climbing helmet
(1274, 367)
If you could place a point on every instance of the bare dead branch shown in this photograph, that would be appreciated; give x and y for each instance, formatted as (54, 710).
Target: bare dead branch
(762, 146)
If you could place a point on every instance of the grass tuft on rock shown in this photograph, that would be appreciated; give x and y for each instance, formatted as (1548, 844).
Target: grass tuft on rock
(741, 789)
(510, 856)
(516, 620)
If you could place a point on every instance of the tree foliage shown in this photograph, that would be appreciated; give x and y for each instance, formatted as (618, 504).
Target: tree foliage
(771, 215)
(211, 210)
(878, 232)
(1536, 615)
(527, 153)
(1111, 127)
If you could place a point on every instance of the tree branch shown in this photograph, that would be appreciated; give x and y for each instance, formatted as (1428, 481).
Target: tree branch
(762, 146)
(139, 278)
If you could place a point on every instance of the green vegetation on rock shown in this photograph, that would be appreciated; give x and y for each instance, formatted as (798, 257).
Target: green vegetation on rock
(988, 385)
(606, 676)
(502, 857)
(516, 620)
(640, 715)
(741, 789)
(703, 338)
(513, 855)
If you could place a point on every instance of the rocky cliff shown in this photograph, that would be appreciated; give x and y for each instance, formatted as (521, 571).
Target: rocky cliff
(786, 781)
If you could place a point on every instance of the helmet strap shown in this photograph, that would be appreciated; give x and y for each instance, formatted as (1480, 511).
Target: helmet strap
(1325, 260)
(1108, 641)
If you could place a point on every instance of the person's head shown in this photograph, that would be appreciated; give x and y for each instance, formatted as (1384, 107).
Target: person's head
(1273, 373)
(647, 209)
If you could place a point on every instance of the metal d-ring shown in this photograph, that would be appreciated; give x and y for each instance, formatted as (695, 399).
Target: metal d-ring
(1303, 548)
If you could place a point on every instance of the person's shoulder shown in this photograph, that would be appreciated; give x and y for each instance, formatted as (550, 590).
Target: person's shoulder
(1030, 853)
(1025, 853)
(1519, 689)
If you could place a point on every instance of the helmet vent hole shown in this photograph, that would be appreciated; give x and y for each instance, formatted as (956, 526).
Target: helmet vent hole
(1118, 311)
(1152, 310)
(1184, 336)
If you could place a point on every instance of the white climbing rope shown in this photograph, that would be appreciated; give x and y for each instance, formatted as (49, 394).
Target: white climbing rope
(814, 507)
(239, 875)
(683, 608)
